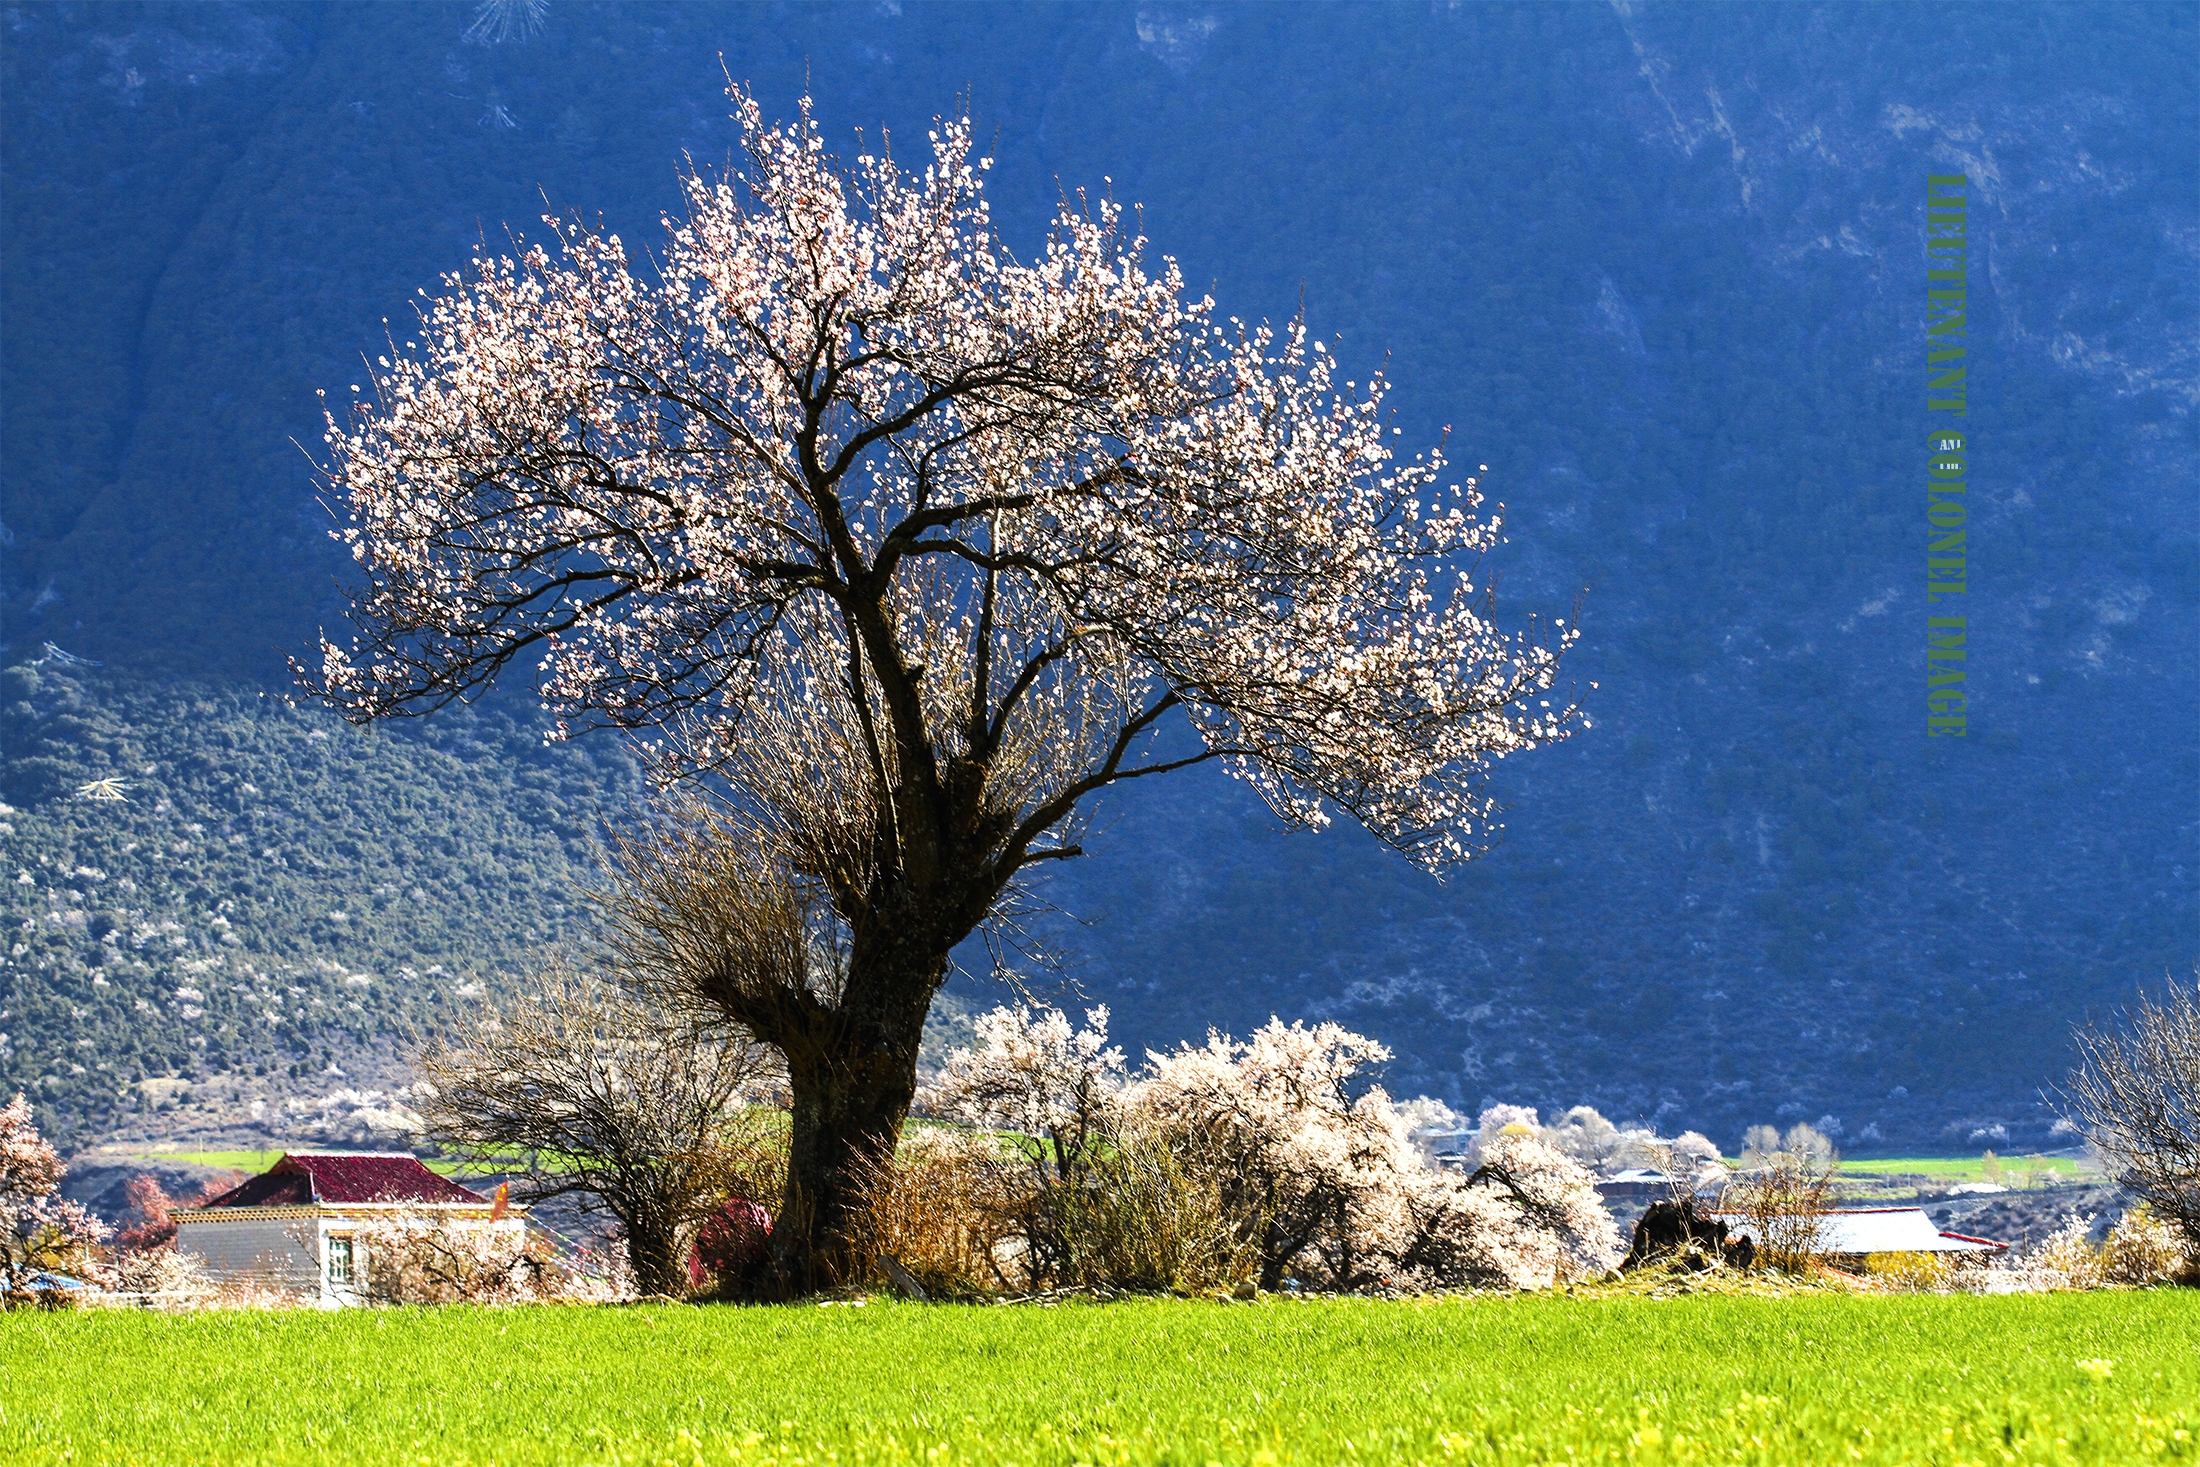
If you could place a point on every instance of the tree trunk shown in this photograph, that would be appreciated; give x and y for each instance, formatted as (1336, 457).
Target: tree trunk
(850, 1097)
(653, 1251)
(1272, 1257)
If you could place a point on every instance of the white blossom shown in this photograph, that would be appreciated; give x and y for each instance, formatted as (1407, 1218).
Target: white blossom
(1078, 496)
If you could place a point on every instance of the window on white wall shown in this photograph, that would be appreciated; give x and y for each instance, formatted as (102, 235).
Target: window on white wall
(339, 1262)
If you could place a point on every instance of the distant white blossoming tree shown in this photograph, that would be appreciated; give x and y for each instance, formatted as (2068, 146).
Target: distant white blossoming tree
(40, 1232)
(918, 545)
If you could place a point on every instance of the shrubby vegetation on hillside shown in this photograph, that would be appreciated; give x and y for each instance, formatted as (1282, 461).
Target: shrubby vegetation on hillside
(275, 894)
(275, 889)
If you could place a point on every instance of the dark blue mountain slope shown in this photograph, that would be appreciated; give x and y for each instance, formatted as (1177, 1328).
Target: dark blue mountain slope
(1659, 267)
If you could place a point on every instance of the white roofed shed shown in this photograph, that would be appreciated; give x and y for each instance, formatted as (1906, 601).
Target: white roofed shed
(1878, 1230)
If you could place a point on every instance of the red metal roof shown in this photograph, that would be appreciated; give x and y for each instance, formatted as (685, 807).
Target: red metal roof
(338, 1177)
(269, 1189)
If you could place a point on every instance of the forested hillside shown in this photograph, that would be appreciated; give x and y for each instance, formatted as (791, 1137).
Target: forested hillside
(1658, 267)
(271, 890)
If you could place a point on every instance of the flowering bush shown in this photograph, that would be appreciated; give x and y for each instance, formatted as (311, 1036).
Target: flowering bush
(1309, 1169)
(1911, 1273)
(39, 1232)
(730, 1245)
(2145, 1248)
(421, 1260)
(1528, 1217)
(1037, 1079)
(160, 1270)
(2141, 1250)
(1077, 1189)
(1257, 1159)
(2068, 1259)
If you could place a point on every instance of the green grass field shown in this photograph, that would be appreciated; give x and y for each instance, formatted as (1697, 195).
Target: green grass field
(2108, 1378)
(1955, 1168)
(252, 1163)
(1937, 1168)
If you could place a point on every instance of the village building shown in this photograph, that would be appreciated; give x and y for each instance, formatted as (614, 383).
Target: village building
(1848, 1236)
(301, 1224)
(1640, 1183)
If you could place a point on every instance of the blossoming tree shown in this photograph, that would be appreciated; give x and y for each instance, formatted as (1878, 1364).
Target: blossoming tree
(918, 544)
(40, 1231)
(1312, 1166)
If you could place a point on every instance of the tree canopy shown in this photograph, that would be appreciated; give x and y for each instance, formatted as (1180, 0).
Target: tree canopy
(915, 544)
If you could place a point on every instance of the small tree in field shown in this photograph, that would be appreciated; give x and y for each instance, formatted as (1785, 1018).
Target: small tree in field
(595, 1094)
(144, 1253)
(916, 545)
(2136, 1095)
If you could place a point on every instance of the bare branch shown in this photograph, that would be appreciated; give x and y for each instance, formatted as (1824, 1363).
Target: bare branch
(2135, 1093)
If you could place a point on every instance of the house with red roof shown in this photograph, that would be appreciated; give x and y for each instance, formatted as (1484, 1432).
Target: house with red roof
(301, 1225)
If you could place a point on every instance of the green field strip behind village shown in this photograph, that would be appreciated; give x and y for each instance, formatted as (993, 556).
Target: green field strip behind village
(2070, 1378)
(254, 1162)
(1938, 1168)
(1958, 1168)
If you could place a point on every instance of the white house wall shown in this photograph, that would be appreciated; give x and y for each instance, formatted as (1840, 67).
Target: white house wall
(253, 1250)
(267, 1250)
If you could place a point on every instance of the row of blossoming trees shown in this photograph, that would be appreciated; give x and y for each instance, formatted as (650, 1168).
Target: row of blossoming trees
(1266, 1162)
(1045, 1162)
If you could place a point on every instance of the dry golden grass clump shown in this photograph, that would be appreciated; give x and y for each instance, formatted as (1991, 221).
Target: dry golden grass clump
(962, 1213)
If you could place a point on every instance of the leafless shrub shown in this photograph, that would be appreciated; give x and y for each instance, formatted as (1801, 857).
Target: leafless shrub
(973, 1212)
(423, 1260)
(2135, 1093)
(1783, 1204)
(942, 1209)
(1137, 1216)
(593, 1091)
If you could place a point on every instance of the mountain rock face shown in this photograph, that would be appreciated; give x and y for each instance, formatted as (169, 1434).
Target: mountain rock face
(1659, 267)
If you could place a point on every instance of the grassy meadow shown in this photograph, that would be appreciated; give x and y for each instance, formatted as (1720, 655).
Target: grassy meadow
(1952, 1169)
(251, 1163)
(2107, 1378)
